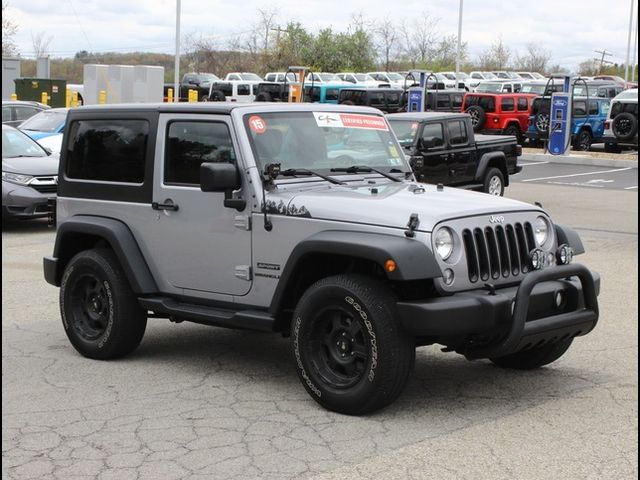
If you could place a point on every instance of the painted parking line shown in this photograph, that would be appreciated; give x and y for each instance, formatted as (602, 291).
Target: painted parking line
(631, 188)
(597, 172)
(533, 163)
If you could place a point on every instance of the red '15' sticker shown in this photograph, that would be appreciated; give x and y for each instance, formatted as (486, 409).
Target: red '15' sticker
(257, 124)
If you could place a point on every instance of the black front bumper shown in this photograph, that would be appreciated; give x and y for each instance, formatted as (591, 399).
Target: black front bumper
(521, 316)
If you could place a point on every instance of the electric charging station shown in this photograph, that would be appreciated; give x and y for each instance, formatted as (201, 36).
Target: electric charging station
(296, 89)
(560, 119)
(417, 96)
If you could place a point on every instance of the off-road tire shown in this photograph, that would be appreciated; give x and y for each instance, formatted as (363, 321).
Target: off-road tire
(263, 97)
(583, 141)
(347, 102)
(100, 313)
(624, 126)
(612, 148)
(541, 122)
(350, 353)
(217, 96)
(493, 182)
(534, 358)
(514, 131)
(204, 98)
(478, 117)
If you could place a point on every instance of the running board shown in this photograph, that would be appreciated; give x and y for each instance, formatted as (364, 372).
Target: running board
(472, 186)
(217, 317)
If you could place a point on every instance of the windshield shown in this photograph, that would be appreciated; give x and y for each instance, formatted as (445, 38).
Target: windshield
(250, 77)
(208, 78)
(538, 75)
(45, 121)
(450, 76)
(489, 76)
(405, 131)
(329, 77)
(322, 141)
(536, 88)
(17, 144)
(395, 77)
(363, 77)
(628, 94)
(491, 87)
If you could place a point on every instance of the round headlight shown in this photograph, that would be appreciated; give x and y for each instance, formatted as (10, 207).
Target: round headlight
(541, 230)
(444, 243)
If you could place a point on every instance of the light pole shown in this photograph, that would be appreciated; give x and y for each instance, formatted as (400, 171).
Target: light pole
(459, 43)
(626, 66)
(635, 51)
(176, 66)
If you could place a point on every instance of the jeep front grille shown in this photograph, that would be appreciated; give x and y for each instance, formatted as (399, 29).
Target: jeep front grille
(495, 251)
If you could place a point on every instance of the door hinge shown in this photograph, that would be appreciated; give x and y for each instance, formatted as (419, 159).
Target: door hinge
(242, 221)
(243, 272)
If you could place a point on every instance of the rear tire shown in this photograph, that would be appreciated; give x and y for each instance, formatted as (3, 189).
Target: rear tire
(514, 131)
(351, 355)
(624, 126)
(100, 313)
(583, 141)
(493, 183)
(534, 358)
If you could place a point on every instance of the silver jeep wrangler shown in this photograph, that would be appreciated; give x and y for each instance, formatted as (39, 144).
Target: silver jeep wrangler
(305, 220)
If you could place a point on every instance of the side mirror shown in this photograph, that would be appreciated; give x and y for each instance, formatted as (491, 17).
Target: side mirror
(48, 150)
(222, 177)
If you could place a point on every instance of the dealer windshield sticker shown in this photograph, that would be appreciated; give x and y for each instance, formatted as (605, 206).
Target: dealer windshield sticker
(257, 124)
(350, 120)
(393, 151)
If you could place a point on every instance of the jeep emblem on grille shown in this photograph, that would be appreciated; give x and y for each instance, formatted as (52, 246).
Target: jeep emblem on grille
(496, 219)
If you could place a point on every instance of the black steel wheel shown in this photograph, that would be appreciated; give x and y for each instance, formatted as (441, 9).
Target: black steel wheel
(100, 313)
(351, 355)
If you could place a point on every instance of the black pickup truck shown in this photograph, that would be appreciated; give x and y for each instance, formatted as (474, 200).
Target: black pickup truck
(443, 148)
(193, 81)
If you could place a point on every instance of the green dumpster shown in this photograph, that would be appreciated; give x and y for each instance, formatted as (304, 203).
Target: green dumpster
(32, 88)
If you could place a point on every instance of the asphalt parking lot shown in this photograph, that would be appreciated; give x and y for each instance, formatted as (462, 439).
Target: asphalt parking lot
(620, 178)
(196, 402)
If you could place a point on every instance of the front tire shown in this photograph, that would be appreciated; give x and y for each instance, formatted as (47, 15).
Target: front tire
(534, 358)
(351, 355)
(100, 313)
(583, 141)
(493, 182)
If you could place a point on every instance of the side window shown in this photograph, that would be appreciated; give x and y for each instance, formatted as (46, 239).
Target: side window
(331, 94)
(517, 87)
(377, 98)
(393, 98)
(456, 101)
(457, 132)
(227, 89)
(507, 88)
(579, 109)
(507, 104)
(433, 132)
(443, 100)
(189, 144)
(22, 113)
(476, 76)
(593, 108)
(243, 89)
(270, 77)
(523, 104)
(107, 150)
(6, 114)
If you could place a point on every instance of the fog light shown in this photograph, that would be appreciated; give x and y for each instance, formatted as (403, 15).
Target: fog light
(559, 298)
(564, 254)
(538, 259)
(448, 276)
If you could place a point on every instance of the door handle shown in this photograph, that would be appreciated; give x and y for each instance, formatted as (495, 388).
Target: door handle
(168, 205)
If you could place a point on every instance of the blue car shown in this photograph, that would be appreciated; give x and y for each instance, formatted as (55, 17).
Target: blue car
(46, 123)
(324, 93)
(587, 125)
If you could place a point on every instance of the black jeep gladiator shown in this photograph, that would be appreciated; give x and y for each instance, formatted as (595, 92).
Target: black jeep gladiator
(443, 148)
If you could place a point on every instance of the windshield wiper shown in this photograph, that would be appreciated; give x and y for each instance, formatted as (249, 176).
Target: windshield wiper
(292, 172)
(364, 169)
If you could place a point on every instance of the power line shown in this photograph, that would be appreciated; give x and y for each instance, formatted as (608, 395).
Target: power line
(602, 60)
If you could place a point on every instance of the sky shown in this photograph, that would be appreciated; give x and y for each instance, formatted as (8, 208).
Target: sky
(571, 30)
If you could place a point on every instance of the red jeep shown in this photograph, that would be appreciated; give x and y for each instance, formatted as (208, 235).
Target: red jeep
(499, 113)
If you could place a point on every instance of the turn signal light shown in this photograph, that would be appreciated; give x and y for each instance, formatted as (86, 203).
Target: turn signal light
(390, 266)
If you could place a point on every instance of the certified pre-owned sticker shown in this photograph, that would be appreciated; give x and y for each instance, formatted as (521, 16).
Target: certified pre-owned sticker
(350, 120)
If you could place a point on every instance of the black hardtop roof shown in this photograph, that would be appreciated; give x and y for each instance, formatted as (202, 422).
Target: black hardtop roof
(224, 108)
(372, 89)
(425, 116)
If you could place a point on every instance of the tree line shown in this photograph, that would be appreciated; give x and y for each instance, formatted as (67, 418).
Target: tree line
(270, 45)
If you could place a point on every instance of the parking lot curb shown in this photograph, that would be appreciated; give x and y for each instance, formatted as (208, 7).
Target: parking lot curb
(579, 160)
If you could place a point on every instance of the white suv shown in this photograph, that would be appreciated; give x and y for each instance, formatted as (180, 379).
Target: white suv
(621, 126)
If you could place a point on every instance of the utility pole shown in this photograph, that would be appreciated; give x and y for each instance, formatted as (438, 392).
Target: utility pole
(459, 44)
(176, 72)
(635, 51)
(626, 64)
(278, 29)
(602, 60)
